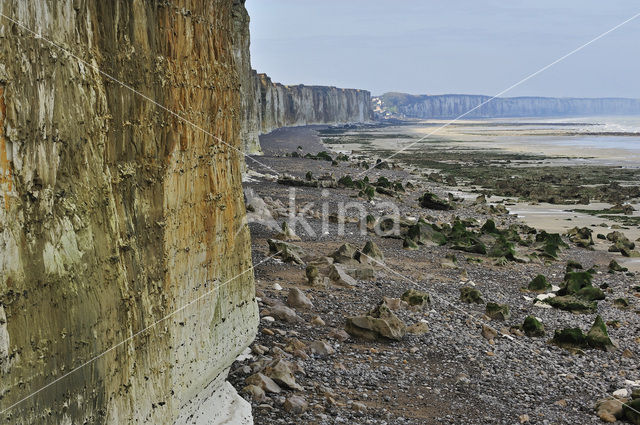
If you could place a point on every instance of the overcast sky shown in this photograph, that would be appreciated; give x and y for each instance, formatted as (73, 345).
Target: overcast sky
(449, 46)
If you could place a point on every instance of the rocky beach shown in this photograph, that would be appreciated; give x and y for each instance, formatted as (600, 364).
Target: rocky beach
(462, 315)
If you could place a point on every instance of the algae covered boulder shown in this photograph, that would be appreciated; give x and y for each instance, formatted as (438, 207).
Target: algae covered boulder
(581, 236)
(598, 337)
(433, 202)
(415, 298)
(532, 327)
(503, 248)
(550, 244)
(345, 254)
(615, 267)
(423, 233)
(470, 295)
(631, 409)
(371, 251)
(379, 323)
(573, 265)
(572, 304)
(497, 311)
(539, 284)
(570, 338)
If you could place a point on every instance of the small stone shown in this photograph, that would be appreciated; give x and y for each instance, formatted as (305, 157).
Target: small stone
(256, 393)
(295, 404)
(321, 348)
(263, 382)
(338, 334)
(284, 313)
(524, 418)
(267, 331)
(277, 287)
(488, 332)
(281, 373)
(297, 299)
(358, 406)
(418, 328)
(621, 393)
(561, 403)
(317, 321)
(392, 303)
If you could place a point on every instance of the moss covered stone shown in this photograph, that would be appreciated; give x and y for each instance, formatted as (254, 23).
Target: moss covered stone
(590, 293)
(575, 281)
(570, 338)
(573, 266)
(598, 337)
(470, 295)
(410, 244)
(631, 409)
(425, 234)
(415, 298)
(615, 267)
(572, 304)
(497, 311)
(532, 327)
(433, 202)
(502, 248)
(539, 284)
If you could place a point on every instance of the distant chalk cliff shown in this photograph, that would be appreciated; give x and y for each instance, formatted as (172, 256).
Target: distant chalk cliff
(454, 105)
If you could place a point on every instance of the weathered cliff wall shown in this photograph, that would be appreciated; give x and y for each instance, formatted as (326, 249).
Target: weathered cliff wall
(454, 105)
(273, 105)
(114, 213)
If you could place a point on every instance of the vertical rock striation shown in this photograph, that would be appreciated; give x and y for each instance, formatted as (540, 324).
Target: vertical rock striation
(115, 213)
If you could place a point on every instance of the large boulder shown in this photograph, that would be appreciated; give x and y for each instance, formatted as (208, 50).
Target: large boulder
(371, 252)
(570, 338)
(470, 295)
(631, 410)
(598, 337)
(497, 311)
(379, 323)
(539, 284)
(280, 372)
(433, 202)
(339, 276)
(297, 299)
(289, 252)
(423, 233)
(532, 327)
(581, 236)
(345, 254)
(415, 298)
(572, 304)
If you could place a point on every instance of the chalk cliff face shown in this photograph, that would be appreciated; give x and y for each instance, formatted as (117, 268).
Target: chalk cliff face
(273, 105)
(454, 105)
(115, 213)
